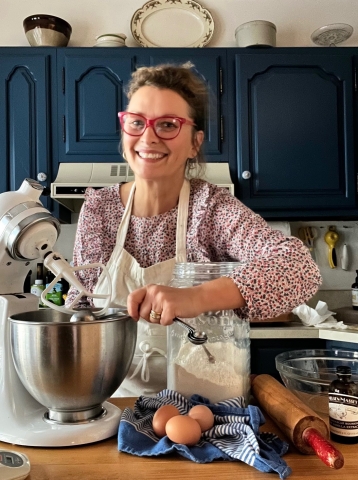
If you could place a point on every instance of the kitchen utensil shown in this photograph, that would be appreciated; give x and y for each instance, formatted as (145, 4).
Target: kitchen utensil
(196, 337)
(211, 357)
(308, 374)
(47, 31)
(308, 236)
(257, 33)
(308, 432)
(13, 465)
(332, 34)
(71, 368)
(72, 371)
(331, 238)
(345, 257)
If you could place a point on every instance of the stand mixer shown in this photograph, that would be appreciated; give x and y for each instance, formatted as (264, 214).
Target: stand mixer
(28, 231)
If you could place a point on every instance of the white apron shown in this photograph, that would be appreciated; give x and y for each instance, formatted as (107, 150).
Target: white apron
(148, 372)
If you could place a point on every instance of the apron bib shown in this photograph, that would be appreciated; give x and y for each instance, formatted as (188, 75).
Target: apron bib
(148, 372)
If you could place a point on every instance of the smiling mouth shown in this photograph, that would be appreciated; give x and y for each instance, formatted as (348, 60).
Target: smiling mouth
(151, 156)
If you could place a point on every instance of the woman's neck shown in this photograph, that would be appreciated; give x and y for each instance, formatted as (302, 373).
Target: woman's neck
(152, 198)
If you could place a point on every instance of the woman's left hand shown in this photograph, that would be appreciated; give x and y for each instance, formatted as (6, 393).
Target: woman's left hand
(166, 303)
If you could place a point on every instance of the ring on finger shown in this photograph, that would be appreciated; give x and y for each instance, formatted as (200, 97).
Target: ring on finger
(155, 315)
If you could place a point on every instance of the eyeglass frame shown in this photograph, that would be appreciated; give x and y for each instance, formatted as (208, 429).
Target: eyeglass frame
(150, 123)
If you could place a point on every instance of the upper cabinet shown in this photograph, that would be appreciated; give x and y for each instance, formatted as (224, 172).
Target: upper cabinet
(284, 119)
(91, 91)
(295, 133)
(90, 94)
(26, 126)
(211, 66)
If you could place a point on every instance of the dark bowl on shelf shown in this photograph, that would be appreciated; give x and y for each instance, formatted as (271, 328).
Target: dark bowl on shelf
(43, 30)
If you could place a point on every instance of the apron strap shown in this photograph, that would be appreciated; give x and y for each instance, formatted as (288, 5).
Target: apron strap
(182, 222)
(123, 227)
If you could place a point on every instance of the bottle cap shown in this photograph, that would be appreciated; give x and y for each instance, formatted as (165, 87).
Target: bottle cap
(343, 370)
(39, 282)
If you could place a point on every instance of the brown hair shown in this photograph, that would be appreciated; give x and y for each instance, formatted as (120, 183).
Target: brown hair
(182, 80)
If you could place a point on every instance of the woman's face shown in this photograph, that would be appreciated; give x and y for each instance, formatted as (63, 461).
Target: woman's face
(149, 156)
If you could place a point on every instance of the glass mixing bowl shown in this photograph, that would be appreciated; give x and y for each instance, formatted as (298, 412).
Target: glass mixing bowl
(308, 373)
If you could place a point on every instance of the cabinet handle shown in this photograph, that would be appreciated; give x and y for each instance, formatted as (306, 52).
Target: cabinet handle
(63, 80)
(63, 128)
(41, 177)
(221, 128)
(246, 175)
(221, 81)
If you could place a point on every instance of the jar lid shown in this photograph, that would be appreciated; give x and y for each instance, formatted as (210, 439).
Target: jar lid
(39, 282)
(255, 23)
(204, 271)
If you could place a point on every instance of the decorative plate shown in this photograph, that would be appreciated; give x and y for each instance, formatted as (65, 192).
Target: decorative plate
(172, 23)
(332, 34)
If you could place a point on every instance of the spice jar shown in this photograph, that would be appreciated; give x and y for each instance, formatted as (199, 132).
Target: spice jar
(189, 369)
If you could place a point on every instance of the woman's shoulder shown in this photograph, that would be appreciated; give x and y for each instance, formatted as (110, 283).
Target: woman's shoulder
(97, 196)
(204, 191)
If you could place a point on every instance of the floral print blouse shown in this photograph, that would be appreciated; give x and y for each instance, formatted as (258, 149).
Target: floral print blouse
(277, 273)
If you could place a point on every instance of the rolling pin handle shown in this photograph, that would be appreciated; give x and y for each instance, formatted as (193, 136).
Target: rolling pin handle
(323, 448)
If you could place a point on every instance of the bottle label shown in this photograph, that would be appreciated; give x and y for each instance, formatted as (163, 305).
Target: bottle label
(37, 290)
(355, 297)
(343, 414)
(55, 294)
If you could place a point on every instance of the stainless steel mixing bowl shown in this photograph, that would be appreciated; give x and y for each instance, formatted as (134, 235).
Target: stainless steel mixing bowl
(71, 367)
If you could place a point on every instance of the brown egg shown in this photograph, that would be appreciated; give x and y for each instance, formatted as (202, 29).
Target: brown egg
(183, 429)
(161, 416)
(203, 415)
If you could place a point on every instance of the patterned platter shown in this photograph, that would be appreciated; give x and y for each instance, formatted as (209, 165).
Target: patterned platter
(172, 23)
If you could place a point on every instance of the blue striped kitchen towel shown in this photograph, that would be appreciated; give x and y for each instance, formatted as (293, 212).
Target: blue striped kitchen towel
(234, 436)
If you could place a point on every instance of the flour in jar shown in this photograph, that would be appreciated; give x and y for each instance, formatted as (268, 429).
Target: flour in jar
(228, 377)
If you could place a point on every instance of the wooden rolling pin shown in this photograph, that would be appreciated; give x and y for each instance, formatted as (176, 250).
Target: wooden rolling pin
(307, 431)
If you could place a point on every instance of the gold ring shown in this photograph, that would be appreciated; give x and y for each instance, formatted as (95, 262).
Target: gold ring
(154, 315)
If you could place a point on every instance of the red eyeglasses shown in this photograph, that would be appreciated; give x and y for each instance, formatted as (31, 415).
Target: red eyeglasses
(165, 128)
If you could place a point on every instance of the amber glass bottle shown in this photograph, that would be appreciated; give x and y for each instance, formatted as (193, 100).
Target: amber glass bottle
(343, 407)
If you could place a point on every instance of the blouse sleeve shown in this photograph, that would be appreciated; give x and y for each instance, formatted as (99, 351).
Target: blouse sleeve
(277, 272)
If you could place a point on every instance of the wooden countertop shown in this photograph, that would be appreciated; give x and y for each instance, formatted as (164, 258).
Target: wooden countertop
(102, 461)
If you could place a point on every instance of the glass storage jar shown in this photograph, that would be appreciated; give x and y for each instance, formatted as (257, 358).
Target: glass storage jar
(189, 369)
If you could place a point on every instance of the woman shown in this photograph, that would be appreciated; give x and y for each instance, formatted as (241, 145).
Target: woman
(141, 229)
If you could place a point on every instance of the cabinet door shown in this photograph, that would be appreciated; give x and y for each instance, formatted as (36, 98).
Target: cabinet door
(211, 66)
(91, 93)
(295, 133)
(25, 126)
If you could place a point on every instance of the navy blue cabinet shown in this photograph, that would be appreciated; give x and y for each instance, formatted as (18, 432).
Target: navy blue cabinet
(284, 118)
(211, 65)
(91, 86)
(26, 123)
(91, 91)
(295, 133)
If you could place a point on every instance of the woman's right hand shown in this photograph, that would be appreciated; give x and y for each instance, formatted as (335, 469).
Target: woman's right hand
(169, 302)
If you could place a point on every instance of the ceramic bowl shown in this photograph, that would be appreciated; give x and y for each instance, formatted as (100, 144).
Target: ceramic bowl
(47, 31)
(111, 40)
